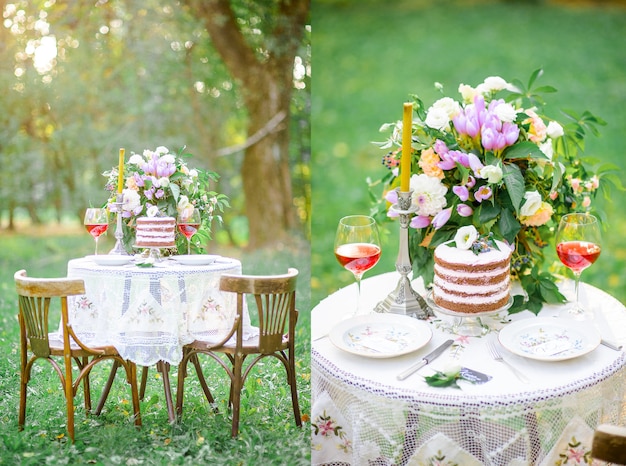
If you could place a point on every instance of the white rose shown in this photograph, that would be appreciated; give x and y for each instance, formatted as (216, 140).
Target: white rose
(429, 194)
(441, 112)
(492, 173)
(164, 182)
(465, 237)
(554, 130)
(505, 112)
(162, 150)
(532, 204)
(136, 159)
(168, 158)
(467, 92)
(193, 173)
(494, 84)
(546, 148)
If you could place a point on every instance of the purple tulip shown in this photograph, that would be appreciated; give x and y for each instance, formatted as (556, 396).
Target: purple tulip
(471, 181)
(461, 157)
(462, 192)
(442, 218)
(440, 147)
(392, 196)
(464, 210)
(475, 164)
(447, 161)
(511, 133)
(484, 192)
(420, 221)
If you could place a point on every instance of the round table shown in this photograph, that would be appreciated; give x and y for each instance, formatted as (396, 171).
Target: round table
(149, 313)
(362, 414)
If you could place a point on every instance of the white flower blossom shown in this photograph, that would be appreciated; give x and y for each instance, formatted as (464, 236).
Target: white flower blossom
(495, 83)
(168, 158)
(131, 200)
(547, 149)
(429, 194)
(492, 173)
(441, 113)
(532, 203)
(152, 211)
(554, 130)
(505, 112)
(465, 237)
(136, 159)
(468, 93)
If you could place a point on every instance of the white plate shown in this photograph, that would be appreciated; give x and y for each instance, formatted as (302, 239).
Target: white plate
(195, 259)
(381, 335)
(112, 260)
(549, 338)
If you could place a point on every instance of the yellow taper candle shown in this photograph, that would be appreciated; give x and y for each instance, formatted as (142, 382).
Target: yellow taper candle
(120, 176)
(405, 162)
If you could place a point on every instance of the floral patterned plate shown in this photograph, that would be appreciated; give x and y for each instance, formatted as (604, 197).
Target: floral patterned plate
(380, 335)
(112, 260)
(549, 338)
(195, 259)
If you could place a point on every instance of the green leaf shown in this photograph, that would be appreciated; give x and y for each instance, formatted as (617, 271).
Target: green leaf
(487, 212)
(524, 150)
(508, 225)
(514, 182)
(519, 304)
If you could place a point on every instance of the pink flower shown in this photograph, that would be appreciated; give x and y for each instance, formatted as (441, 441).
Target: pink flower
(484, 192)
(464, 210)
(442, 218)
(420, 221)
(392, 196)
(462, 192)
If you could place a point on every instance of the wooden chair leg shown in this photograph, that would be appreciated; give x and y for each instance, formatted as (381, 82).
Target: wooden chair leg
(21, 418)
(69, 396)
(86, 386)
(180, 386)
(144, 382)
(107, 387)
(235, 388)
(164, 369)
(205, 387)
(291, 378)
(132, 375)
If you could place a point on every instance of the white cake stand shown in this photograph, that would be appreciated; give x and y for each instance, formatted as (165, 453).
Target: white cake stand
(467, 324)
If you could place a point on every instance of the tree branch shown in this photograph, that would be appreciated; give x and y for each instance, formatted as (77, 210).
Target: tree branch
(269, 128)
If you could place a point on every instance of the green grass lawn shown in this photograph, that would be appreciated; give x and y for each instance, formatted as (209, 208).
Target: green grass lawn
(202, 437)
(369, 56)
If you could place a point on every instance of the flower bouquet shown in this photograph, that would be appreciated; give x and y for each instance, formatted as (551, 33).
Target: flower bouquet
(491, 159)
(160, 183)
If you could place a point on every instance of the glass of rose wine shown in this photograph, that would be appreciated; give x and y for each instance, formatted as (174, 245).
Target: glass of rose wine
(96, 221)
(188, 224)
(578, 246)
(357, 247)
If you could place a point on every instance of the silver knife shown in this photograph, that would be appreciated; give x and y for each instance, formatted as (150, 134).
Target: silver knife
(425, 360)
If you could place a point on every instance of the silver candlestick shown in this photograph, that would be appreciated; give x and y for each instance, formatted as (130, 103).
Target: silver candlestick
(404, 299)
(119, 232)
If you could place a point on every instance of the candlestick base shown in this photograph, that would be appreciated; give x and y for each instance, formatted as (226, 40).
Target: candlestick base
(404, 299)
(119, 232)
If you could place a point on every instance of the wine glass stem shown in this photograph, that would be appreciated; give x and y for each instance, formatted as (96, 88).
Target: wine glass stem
(577, 308)
(358, 295)
(97, 238)
(188, 246)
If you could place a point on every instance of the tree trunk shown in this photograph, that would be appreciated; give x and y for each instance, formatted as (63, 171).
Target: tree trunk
(266, 86)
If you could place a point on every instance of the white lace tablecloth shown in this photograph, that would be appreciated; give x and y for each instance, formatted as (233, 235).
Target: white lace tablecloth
(362, 415)
(149, 313)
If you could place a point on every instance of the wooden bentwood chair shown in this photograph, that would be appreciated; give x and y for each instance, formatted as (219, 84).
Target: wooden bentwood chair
(275, 302)
(34, 298)
(609, 444)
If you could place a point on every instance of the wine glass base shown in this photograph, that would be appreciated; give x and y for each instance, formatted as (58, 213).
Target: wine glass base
(576, 313)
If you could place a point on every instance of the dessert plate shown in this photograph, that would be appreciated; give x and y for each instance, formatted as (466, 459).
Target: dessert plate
(112, 260)
(195, 259)
(549, 338)
(380, 335)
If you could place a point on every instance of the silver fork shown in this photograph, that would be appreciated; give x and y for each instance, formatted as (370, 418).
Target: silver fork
(495, 354)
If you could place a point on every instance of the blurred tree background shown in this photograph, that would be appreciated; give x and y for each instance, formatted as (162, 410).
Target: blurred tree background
(79, 80)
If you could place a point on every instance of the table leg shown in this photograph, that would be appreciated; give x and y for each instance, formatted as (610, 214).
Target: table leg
(164, 368)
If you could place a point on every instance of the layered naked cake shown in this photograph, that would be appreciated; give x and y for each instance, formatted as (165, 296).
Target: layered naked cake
(155, 232)
(471, 283)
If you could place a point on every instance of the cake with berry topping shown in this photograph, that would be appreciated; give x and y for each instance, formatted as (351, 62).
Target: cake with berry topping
(155, 232)
(474, 279)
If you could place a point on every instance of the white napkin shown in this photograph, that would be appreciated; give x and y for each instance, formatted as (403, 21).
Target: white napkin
(331, 437)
